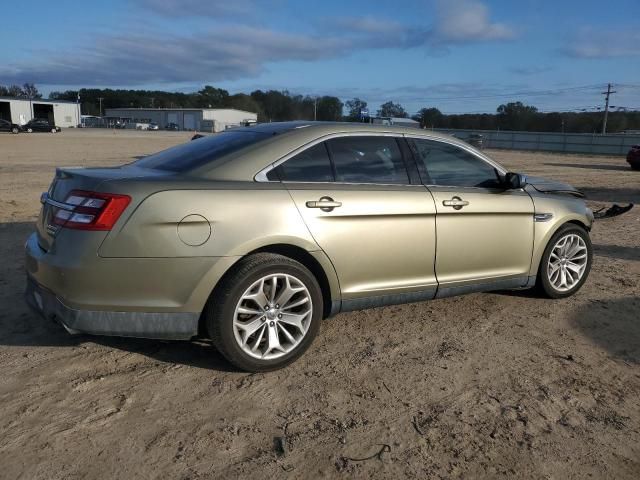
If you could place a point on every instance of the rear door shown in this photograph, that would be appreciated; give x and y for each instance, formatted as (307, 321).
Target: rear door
(484, 232)
(378, 229)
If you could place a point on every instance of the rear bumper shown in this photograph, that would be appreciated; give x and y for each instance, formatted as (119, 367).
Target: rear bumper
(164, 325)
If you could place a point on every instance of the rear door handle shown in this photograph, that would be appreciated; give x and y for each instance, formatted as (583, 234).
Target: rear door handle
(456, 202)
(326, 204)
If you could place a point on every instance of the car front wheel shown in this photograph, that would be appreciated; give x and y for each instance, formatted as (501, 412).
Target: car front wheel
(53, 130)
(29, 130)
(266, 312)
(566, 262)
(14, 130)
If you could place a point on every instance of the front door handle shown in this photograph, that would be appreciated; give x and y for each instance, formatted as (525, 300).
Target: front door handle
(326, 204)
(456, 202)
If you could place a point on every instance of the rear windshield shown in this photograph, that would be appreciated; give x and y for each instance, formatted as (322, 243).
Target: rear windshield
(203, 151)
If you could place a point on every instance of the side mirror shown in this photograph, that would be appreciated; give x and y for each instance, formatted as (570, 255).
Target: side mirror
(513, 181)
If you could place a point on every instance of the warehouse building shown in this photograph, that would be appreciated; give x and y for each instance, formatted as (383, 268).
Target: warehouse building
(201, 119)
(58, 112)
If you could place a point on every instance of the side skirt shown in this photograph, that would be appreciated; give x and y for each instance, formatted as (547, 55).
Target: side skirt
(430, 294)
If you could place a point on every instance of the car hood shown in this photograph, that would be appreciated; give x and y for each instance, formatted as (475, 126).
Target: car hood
(544, 185)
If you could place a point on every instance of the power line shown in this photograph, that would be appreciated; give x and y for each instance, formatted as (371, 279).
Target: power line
(513, 94)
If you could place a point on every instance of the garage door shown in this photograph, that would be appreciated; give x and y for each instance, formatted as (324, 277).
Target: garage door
(189, 121)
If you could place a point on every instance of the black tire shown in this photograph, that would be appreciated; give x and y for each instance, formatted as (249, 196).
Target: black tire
(53, 130)
(543, 283)
(220, 309)
(14, 130)
(29, 130)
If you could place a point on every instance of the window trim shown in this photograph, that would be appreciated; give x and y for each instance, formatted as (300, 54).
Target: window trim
(483, 158)
(261, 176)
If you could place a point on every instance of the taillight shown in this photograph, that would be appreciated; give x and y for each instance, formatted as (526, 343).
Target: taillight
(91, 210)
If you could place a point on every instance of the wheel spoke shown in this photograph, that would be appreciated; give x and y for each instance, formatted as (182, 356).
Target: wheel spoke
(294, 320)
(297, 303)
(574, 267)
(286, 333)
(259, 338)
(250, 328)
(273, 342)
(287, 293)
(249, 311)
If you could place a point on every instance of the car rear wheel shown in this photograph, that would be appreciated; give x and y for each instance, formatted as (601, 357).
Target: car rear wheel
(14, 130)
(29, 130)
(266, 312)
(53, 130)
(566, 262)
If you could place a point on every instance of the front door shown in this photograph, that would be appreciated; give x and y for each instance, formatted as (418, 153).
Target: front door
(377, 229)
(484, 232)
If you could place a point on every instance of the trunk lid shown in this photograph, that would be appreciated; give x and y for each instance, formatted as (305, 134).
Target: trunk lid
(67, 179)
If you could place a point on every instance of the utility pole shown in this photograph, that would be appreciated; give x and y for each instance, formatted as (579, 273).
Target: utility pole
(152, 100)
(606, 107)
(315, 109)
(100, 98)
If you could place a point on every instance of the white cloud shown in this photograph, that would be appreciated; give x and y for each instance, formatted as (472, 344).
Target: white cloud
(589, 42)
(464, 21)
(199, 8)
(234, 51)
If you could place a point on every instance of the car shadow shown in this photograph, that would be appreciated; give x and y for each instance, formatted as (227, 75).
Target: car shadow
(612, 195)
(617, 251)
(612, 325)
(590, 166)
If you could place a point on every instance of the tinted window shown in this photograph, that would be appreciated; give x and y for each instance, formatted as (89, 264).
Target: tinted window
(202, 151)
(311, 165)
(449, 165)
(368, 160)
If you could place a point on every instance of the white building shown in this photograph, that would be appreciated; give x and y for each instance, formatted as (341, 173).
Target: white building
(201, 119)
(58, 112)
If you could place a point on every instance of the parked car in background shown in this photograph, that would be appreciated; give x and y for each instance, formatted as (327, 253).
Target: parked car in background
(6, 126)
(254, 235)
(153, 126)
(172, 126)
(40, 125)
(633, 157)
(476, 140)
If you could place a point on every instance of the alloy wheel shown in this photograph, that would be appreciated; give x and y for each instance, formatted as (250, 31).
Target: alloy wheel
(567, 262)
(272, 316)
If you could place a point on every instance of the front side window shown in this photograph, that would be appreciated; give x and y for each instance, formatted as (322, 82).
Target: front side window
(452, 166)
(310, 165)
(374, 159)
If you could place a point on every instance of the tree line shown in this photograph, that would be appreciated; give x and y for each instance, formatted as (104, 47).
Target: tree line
(274, 106)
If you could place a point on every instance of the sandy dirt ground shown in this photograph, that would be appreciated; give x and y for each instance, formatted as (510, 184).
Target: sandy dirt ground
(483, 386)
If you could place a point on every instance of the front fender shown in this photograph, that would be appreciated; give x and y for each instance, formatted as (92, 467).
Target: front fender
(564, 209)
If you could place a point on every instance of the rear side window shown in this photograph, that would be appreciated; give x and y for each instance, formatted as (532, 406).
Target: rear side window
(452, 166)
(311, 165)
(203, 151)
(374, 159)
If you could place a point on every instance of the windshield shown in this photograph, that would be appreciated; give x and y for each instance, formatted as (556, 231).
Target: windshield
(203, 151)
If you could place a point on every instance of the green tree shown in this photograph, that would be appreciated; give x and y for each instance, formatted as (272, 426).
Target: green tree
(390, 109)
(354, 106)
(515, 116)
(29, 90)
(211, 97)
(429, 117)
(329, 109)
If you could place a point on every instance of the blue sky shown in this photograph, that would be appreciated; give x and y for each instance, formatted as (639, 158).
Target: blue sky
(457, 55)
